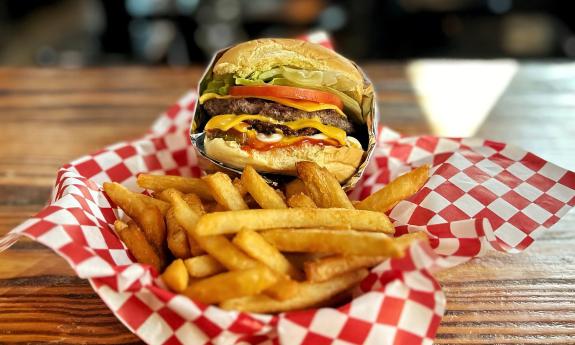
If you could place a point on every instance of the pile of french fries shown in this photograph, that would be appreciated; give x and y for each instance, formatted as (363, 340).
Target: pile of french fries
(246, 246)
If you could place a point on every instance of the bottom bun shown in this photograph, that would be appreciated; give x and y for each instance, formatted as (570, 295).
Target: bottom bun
(341, 161)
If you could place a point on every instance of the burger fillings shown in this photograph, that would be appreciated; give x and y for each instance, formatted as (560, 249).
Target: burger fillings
(274, 102)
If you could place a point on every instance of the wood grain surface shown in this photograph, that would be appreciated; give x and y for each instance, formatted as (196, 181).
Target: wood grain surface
(48, 117)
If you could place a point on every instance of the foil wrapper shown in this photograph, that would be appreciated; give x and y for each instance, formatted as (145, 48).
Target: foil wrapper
(366, 135)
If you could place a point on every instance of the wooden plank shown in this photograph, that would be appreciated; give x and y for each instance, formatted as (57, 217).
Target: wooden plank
(51, 116)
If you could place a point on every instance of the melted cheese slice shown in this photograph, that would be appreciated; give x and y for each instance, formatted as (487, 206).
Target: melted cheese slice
(228, 121)
(294, 103)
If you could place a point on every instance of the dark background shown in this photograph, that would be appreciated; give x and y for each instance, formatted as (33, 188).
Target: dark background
(73, 33)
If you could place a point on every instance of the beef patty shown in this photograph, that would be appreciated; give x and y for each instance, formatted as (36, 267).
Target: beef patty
(271, 128)
(274, 110)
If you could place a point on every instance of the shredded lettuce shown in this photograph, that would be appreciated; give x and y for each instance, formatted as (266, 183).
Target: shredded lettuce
(221, 86)
(249, 82)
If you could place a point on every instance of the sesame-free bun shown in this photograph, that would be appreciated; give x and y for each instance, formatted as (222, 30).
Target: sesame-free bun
(341, 161)
(264, 54)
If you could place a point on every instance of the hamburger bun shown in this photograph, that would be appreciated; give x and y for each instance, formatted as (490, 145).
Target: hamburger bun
(341, 161)
(267, 53)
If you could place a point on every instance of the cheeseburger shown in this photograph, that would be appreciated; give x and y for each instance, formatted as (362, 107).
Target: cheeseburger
(271, 103)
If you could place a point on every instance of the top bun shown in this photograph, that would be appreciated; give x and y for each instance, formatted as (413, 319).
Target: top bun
(267, 53)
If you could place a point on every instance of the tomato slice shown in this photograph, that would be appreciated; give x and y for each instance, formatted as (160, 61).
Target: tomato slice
(287, 92)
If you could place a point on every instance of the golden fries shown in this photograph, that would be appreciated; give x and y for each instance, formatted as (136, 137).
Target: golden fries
(284, 288)
(176, 276)
(263, 194)
(255, 246)
(224, 191)
(158, 183)
(153, 225)
(317, 181)
(160, 204)
(230, 222)
(294, 187)
(177, 237)
(219, 247)
(138, 245)
(195, 203)
(406, 240)
(301, 200)
(347, 242)
(299, 259)
(326, 268)
(230, 252)
(239, 186)
(203, 266)
(233, 284)
(399, 189)
(148, 217)
(309, 295)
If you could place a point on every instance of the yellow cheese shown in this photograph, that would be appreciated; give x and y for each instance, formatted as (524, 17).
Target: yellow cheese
(228, 121)
(294, 103)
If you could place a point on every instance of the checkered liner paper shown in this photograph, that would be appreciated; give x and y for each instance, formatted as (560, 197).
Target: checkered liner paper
(482, 196)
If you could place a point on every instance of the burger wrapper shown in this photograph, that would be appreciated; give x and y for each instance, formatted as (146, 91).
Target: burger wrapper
(367, 138)
(482, 196)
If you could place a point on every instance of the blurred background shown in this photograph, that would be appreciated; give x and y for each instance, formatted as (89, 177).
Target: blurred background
(76, 33)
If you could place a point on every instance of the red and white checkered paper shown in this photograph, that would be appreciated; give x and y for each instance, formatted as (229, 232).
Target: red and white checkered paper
(482, 196)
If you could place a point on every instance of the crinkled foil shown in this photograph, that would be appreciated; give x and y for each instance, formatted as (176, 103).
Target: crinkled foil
(200, 118)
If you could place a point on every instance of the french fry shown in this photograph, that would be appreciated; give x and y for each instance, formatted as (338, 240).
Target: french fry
(125, 199)
(406, 240)
(203, 266)
(225, 252)
(138, 245)
(309, 295)
(195, 203)
(158, 183)
(219, 247)
(160, 204)
(294, 187)
(239, 186)
(329, 267)
(347, 242)
(224, 191)
(301, 200)
(299, 259)
(322, 186)
(258, 188)
(195, 248)
(233, 284)
(281, 195)
(148, 217)
(176, 276)
(152, 224)
(284, 288)
(255, 246)
(230, 222)
(399, 189)
(177, 237)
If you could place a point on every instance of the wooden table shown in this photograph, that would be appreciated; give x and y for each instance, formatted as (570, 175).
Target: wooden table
(49, 117)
